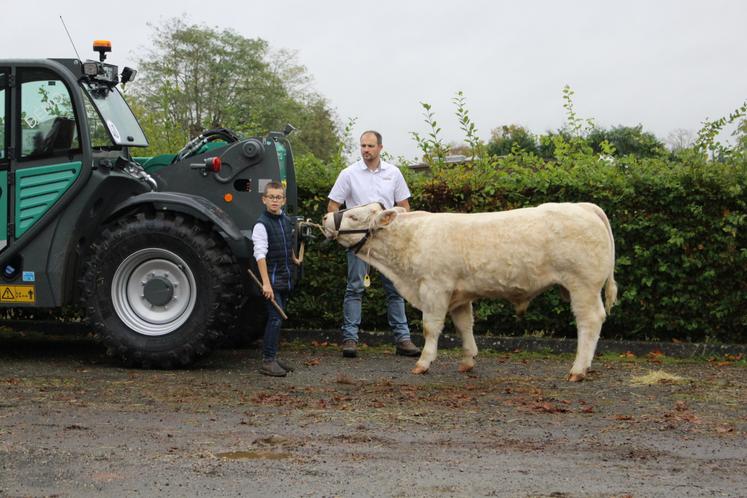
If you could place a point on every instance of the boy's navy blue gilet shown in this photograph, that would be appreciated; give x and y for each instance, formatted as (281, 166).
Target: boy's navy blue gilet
(279, 249)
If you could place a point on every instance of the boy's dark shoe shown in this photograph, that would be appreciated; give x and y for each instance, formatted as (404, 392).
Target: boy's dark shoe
(285, 366)
(272, 369)
(407, 348)
(349, 348)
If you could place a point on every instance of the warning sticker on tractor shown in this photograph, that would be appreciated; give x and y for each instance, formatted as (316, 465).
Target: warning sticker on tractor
(18, 294)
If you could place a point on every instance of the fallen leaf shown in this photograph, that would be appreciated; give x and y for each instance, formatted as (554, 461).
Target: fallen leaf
(549, 408)
(690, 417)
(312, 362)
(343, 378)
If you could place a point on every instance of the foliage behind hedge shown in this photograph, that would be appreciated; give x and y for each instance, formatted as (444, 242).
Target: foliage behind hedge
(679, 228)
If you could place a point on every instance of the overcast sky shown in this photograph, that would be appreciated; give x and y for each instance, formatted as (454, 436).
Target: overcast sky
(664, 64)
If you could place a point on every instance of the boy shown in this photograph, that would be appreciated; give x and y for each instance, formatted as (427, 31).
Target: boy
(273, 251)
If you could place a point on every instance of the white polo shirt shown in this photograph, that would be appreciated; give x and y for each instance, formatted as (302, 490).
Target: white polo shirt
(357, 185)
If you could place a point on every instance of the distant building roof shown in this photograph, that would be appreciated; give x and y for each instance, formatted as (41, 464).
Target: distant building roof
(454, 159)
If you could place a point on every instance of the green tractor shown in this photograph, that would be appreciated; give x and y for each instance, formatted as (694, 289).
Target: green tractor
(154, 249)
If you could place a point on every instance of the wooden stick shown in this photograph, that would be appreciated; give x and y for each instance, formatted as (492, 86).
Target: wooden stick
(274, 303)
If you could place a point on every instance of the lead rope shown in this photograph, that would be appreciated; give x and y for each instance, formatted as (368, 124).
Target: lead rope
(303, 242)
(367, 278)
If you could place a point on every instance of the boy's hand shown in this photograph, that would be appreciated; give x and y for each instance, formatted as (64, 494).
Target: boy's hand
(267, 291)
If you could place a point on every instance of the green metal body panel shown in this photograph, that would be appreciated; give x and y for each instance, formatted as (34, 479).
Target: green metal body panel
(3, 209)
(155, 163)
(38, 189)
(282, 153)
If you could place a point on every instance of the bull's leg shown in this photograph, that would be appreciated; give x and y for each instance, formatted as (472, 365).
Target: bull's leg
(433, 323)
(462, 318)
(589, 312)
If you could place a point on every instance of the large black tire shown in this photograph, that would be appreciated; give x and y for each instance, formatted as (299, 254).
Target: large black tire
(248, 329)
(158, 287)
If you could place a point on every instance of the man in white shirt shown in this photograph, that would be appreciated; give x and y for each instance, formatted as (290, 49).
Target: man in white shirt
(370, 180)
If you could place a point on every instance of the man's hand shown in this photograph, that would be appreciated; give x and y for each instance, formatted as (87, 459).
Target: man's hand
(333, 206)
(405, 204)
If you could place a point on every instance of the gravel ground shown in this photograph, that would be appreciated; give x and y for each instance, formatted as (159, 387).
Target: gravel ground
(75, 423)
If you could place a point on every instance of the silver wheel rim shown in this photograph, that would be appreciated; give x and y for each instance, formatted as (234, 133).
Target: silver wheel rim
(128, 296)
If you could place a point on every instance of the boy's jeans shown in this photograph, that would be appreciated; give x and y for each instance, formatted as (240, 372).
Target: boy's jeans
(351, 306)
(271, 338)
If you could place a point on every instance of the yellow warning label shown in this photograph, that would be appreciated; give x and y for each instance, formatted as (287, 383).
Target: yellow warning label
(18, 294)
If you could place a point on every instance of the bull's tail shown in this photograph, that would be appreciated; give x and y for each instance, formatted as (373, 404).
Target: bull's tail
(610, 292)
(610, 286)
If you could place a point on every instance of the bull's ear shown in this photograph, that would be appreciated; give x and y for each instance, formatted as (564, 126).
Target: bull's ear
(385, 217)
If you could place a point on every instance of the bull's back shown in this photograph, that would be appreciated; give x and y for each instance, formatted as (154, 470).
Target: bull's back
(524, 248)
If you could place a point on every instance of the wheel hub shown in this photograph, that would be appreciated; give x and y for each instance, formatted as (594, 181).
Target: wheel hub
(154, 291)
(158, 291)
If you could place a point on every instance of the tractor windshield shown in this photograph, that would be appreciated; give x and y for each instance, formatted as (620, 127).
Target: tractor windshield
(110, 118)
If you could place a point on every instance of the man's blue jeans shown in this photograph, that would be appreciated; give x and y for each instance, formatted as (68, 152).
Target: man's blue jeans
(271, 338)
(351, 306)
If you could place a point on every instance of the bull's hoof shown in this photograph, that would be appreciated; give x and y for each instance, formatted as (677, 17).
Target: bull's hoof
(419, 370)
(576, 377)
(464, 367)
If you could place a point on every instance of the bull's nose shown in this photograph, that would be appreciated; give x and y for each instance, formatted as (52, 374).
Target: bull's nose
(328, 233)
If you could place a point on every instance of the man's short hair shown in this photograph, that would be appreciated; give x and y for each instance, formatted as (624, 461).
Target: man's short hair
(274, 185)
(373, 132)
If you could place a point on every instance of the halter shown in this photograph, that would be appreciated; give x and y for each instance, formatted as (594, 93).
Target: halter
(367, 231)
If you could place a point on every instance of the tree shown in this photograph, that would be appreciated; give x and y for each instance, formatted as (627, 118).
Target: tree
(505, 139)
(196, 77)
(680, 139)
(627, 140)
(741, 136)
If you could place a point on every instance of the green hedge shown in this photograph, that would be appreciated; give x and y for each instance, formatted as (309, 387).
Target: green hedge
(679, 228)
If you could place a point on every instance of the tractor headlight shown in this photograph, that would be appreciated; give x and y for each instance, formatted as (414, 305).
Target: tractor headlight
(91, 68)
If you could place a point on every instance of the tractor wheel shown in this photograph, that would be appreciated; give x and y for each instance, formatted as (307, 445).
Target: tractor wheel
(157, 287)
(245, 331)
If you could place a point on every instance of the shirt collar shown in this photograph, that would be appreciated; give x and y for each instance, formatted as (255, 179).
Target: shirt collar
(382, 165)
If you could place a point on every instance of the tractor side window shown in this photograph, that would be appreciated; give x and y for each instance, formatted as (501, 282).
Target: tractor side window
(99, 135)
(3, 120)
(48, 126)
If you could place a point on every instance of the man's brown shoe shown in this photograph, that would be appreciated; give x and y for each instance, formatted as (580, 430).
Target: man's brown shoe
(407, 348)
(349, 348)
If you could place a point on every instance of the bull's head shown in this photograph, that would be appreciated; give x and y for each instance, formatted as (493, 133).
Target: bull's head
(352, 227)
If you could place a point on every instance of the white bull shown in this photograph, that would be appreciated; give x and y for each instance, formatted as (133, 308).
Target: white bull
(441, 262)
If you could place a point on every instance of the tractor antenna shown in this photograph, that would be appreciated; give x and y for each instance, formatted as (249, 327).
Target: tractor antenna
(70, 37)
